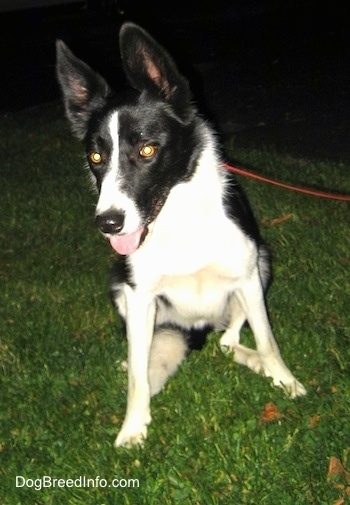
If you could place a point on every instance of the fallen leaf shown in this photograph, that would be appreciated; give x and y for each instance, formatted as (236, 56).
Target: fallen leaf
(336, 469)
(282, 219)
(270, 413)
(345, 260)
(314, 420)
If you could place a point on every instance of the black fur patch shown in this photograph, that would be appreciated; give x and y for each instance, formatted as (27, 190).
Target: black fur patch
(237, 208)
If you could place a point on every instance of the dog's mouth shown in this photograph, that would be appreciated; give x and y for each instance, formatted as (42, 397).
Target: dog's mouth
(128, 243)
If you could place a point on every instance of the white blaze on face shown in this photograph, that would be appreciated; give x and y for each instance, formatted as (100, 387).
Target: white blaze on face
(112, 198)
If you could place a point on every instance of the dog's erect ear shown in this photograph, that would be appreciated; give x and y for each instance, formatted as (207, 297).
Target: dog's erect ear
(149, 67)
(83, 89)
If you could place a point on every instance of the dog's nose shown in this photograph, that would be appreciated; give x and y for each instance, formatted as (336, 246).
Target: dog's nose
(110, 222)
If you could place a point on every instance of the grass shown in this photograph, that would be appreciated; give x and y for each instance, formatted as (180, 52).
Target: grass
(211, 441)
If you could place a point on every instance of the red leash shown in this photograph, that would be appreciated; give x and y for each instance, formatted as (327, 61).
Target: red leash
(307, 191)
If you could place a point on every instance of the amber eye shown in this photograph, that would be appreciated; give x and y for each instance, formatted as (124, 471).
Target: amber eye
(95, 158)
(148, 151)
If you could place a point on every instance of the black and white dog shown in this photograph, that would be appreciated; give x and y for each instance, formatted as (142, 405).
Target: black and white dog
(191, 258)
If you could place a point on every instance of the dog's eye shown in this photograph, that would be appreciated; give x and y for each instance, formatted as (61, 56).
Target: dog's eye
(95, 158)
(148, 151)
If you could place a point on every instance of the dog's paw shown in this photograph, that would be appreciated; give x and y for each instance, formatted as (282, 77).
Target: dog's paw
(228, 341)
(254, 362)
(131, 436)
(274, 367)
(245, 356)
(226, 349)
(293, 388)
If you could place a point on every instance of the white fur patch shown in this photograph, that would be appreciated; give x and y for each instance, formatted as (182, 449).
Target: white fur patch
(167, 352)
(111, 197)
(193, 232)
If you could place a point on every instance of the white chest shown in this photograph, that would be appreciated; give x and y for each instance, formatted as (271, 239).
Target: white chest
(202, 296)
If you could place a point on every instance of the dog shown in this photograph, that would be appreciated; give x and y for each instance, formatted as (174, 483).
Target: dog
(190, 259)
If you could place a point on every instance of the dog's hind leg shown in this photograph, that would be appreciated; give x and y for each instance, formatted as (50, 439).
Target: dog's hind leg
(251, 297)
(229, 341)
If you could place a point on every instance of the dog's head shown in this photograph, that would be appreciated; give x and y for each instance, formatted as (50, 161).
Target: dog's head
(138, 144)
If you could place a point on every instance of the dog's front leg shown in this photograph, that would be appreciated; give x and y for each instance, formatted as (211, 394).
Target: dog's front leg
(140, 315)
(251, 297)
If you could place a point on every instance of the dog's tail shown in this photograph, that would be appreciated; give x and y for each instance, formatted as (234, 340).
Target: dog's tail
(170, 347)
(168, 351)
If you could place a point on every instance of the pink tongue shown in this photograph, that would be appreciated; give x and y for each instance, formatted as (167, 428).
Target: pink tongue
(128, 243)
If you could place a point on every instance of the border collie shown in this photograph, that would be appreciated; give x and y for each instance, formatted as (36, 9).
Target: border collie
(190, 256)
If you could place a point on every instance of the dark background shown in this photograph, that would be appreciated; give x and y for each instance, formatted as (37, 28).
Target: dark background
(267, 72)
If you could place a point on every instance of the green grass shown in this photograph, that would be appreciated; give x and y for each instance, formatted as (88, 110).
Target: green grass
(63, 386)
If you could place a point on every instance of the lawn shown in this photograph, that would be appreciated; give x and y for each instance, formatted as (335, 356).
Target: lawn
(220, 434)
